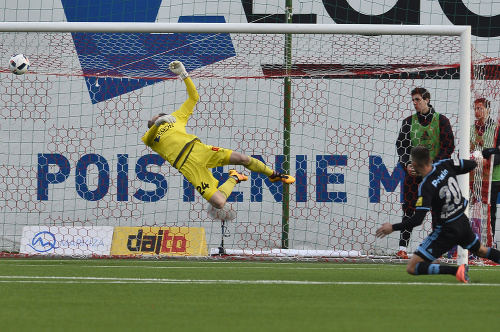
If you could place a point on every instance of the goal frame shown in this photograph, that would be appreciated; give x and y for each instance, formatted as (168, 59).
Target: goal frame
(464, 32)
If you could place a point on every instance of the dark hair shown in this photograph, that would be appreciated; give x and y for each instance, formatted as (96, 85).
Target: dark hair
(483, 101)
(420, 154)
(151, 123)
(421, 91)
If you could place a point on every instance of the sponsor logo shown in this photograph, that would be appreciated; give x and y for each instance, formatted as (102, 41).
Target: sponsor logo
(43, 242)
(163, 242)
(402, 12)
(173, 241)
(66, 240)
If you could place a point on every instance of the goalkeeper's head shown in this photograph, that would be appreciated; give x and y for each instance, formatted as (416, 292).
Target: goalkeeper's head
(151, 122)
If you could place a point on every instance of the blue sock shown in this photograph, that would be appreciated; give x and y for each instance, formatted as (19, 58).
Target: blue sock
(425, 268)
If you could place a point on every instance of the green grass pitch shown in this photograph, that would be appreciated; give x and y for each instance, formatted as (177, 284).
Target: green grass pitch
(222, 295)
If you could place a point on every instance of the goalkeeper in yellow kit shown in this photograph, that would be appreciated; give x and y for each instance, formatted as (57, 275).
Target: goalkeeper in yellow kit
(167, 136)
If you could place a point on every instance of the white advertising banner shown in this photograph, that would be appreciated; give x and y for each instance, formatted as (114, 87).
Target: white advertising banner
(66, 241)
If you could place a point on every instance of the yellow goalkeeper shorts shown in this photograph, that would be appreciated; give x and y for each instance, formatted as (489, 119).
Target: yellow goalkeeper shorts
(196, 167)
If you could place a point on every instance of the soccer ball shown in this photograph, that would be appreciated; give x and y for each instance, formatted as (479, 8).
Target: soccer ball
(19, 64)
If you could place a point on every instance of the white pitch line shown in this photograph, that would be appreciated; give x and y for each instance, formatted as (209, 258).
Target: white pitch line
(84, 280)
(271, 266)
(288, 268)
(201, 267)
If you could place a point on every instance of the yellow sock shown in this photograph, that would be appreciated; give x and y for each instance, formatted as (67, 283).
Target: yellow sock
(255, 165)
(227, 187)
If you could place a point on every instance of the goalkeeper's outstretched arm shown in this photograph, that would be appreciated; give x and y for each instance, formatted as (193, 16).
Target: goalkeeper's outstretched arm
(187, 108)
(191, 90)
(178, 68)
(156, 121)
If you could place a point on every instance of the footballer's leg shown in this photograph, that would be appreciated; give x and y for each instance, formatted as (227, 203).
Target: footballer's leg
(218, 200)
(485, 252)
(412, 264)
(436, 244)
(258, 166)
(419, 266)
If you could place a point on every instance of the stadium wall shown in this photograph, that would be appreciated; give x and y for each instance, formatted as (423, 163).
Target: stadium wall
(28, 200)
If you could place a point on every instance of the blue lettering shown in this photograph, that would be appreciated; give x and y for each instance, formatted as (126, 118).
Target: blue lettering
(188, 189)
(81, 177)
(301, 178)
(379, 174)
(257, 180)
(323, 178)
(122, 178)
(45, 178)
(150, 177)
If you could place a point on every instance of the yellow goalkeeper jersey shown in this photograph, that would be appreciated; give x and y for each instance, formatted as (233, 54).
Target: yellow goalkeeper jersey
(170, 140)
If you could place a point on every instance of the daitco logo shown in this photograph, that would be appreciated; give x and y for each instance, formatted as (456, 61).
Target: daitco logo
(43, 242)
(162, 242)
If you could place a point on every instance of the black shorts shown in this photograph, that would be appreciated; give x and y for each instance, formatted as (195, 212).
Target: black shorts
(446, 236)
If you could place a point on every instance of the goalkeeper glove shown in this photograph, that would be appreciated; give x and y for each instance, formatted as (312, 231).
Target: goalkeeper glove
(169, 118)
(178, 68)
(488, 152)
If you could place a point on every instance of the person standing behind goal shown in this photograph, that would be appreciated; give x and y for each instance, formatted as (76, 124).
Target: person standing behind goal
(428, 128)
(167, 136)
(482, 108)
(439, 192)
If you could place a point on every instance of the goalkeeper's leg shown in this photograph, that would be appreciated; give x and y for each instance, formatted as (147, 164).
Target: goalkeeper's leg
(258, 166)
(219, 198)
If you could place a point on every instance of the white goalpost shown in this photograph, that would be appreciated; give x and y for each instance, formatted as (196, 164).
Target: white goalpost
(75, 164)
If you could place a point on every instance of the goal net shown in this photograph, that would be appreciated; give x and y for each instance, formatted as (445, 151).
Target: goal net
(483, 135)
(74, 170)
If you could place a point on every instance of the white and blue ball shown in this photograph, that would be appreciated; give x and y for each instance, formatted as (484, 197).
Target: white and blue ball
(19, 64)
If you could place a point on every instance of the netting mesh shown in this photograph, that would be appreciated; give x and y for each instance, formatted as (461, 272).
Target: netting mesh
(146, 56)
(71, 133)
(484, 132)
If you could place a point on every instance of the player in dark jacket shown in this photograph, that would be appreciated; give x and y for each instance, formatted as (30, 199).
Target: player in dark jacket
(439, 191)
(428, 128)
